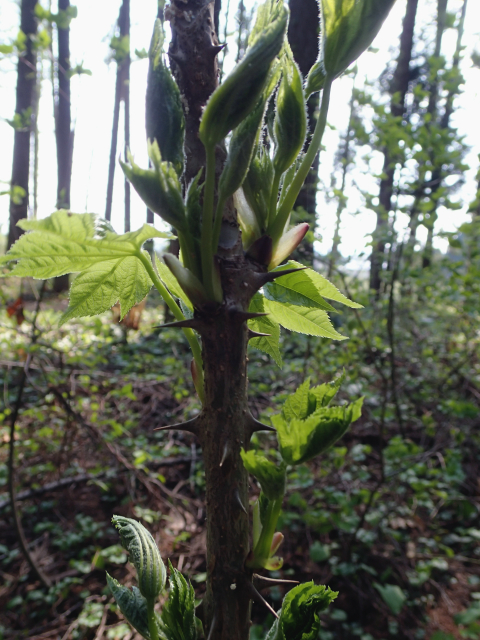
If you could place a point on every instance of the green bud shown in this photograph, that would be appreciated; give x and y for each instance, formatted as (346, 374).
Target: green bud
(315, 79)
(270, 476)
(238, 95)
(240, 151)
(290, 126)
(189, 282)
(246, 219)
(348, 28)
(144, 555)
(158, 187)
(164, 117)
(258, 185)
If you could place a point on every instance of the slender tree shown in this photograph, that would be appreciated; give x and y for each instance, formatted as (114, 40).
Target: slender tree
(398, 89)
(26, 81)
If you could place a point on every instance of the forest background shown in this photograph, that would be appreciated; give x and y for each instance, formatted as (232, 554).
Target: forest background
(392, 514)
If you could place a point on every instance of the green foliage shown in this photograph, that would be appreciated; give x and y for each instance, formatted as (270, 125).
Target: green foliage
(177, 620)
(300, 613)
(271, 476)
(132, 604)
(392, 595)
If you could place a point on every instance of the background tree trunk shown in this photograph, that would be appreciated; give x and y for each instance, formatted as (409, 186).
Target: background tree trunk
(303, 37)
(63, 128)
(26, 81)
(399, 88)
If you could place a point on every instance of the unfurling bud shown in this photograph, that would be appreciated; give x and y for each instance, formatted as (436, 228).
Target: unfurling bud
(276, 542)
(287, 244)
(164, 118)
(238, 95)
(247, 219)
(348, 28)
(258, 186)
(144, 555)
(315, 79)
(158, 187)
(189, 282)
(290, 124)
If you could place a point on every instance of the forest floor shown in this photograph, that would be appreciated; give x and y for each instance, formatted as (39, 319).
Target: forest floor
(389, 517)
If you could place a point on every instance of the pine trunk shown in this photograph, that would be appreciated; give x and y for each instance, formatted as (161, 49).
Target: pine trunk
(26, 81)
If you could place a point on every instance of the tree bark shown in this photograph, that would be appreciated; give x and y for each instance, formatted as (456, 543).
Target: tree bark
(26, 81)
(303, 32)
(63, 128)
(399, 88)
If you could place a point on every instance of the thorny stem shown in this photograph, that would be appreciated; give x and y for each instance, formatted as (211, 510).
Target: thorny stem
(177, 312)
(207, 240)
(277, 225)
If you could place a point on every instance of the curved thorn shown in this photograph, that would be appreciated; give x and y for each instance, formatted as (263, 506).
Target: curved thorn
(243, 316)
(225, 454)
(192, 425)
(264, 278)
(189, 323)
(269, 582)
(238, 500)
(253, 425)
(216, 48)
(257, 597)
(257, 334)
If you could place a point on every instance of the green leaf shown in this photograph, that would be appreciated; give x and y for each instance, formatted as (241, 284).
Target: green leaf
(132, 604)
(348, 28)
(178, 620)
(239, 93)
(298, 289)
(392, 595)
(313, 322)
(265, 324)
(323, 286)
(300, 440)
(144, 555)
(324, 393)
(299, 617)
(297, 405)
(270, 476)
(258, 185)
(6, 48)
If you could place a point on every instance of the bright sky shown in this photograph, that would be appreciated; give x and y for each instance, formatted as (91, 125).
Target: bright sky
(92, 98)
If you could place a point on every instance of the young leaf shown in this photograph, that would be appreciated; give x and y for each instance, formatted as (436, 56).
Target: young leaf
(177, 620)
(297, 405)
(144, 555)
(171, 282)
(247, 219)
(287, 243)
(301, 440)
(270, 476)
(189, 282)
(298, 289)
(264, 324)
(322, 395)
(258, 185)
(299, 617)
(323, 286)
(132, 604)
(313, 322)
(238, 95)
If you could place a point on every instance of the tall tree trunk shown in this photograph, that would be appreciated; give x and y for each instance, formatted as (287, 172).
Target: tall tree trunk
(121, 90)
(26, 81)
(444, 124)
(303, 37)
(63, 128)
(399, 88)
(345, 160)
(125, 30)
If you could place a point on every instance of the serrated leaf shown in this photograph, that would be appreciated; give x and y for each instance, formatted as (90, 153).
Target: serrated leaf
(299, 617)
(132, 604)
(265, 324)
(323, 286)
(171, 282)
(297, 405)
(144, 555)
(324, 393)
(270, 476)
(296, 288)
(301, 440)
(177, 620)
(313, 322)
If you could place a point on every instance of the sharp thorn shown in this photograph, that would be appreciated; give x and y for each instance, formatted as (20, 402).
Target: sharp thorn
(254, 425)
(269, 582)
(238, 500)
(189, 323)
(190, 425)
(264, 278)
(212, 627)
(257, 334)
(216, 48)
(225, 454)
(243, 316)
(257, 597)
